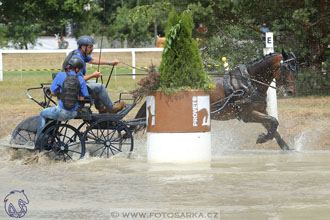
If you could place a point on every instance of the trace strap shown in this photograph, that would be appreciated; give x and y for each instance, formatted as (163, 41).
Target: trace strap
(238, 92)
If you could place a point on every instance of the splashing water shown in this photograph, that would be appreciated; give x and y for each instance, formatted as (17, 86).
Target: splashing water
(307, 139)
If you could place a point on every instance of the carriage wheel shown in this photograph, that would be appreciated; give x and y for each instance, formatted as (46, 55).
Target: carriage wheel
(83, 127)
(62, 142)
(106, 138)
(23, 137)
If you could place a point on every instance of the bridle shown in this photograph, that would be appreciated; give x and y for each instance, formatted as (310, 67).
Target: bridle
(272, 72)
(288, 65)
(283, 80)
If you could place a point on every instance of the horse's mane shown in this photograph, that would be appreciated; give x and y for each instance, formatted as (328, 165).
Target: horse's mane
(261, 64)
(261, 59)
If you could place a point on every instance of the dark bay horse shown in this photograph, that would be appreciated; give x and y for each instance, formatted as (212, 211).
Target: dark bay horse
(252, 81)
(241, 94)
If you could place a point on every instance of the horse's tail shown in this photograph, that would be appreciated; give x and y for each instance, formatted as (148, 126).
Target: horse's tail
(140, 119)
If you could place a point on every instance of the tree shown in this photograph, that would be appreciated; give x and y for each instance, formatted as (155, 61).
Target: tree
(298, 25)
(27, 19)
(140, 22)
(23, 26)
(181, 65)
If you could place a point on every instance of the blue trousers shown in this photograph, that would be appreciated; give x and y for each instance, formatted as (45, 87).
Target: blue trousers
(100, 95)
(56, 113)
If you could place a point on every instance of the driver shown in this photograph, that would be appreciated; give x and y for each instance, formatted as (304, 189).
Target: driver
(101, 98)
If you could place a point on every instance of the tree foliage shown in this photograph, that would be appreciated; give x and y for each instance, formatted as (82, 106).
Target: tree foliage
(233, 25)
(27, 19)
(297, 25)
(140, 23)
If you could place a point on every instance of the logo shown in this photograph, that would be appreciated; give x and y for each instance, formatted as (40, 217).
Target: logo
(15, 204)
(201, 111)
(151, 110)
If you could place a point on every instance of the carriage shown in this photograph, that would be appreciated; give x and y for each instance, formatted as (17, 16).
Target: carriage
(102, 135)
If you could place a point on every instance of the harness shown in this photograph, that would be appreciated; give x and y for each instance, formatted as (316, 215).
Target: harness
(226, 84)
(253, 94)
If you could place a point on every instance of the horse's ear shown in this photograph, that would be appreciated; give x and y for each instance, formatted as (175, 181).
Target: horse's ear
(284, 55)
(293, 55)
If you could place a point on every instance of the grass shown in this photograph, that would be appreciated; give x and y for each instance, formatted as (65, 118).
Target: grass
(15, 83)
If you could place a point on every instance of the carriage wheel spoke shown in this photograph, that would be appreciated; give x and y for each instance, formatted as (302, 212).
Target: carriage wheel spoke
(64, 135)
(48, 152)
(63, 154)
(55, 155)
(22, 136)
(97, 149)
(112, 134)
(68, 155)
(102, 151)
(95, 136)
(115, 148)
(113, 153)
(73, 151)
(101, 131)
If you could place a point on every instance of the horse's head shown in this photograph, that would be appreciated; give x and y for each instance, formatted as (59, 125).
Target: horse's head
(278, 66)
(287, 75)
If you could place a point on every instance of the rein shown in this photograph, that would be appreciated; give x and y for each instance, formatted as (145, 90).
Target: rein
(264, 84)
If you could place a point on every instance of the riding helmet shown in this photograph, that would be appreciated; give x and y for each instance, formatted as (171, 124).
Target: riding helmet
(223, 59)
(85, 40)
(76, 62)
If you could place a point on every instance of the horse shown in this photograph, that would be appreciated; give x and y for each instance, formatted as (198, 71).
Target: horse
(241, 94)
(252, 82)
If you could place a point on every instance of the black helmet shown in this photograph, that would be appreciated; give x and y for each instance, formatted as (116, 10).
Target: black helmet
(85, 40)
(76, 62)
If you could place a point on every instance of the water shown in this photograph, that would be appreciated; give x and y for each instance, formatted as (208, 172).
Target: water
(241, 183)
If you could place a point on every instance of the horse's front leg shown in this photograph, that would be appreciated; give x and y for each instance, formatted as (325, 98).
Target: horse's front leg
(271, 124)
(257, 114)
(283, 145)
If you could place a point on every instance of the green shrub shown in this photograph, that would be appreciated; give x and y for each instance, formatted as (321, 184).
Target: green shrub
(181, 66)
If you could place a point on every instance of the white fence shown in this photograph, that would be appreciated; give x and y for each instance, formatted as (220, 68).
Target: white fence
(133, 51)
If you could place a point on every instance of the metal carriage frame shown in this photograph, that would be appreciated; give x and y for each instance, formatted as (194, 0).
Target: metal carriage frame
(104, 135)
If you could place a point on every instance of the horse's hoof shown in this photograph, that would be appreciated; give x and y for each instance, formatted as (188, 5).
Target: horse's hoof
(262, 138)
(284, 146)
